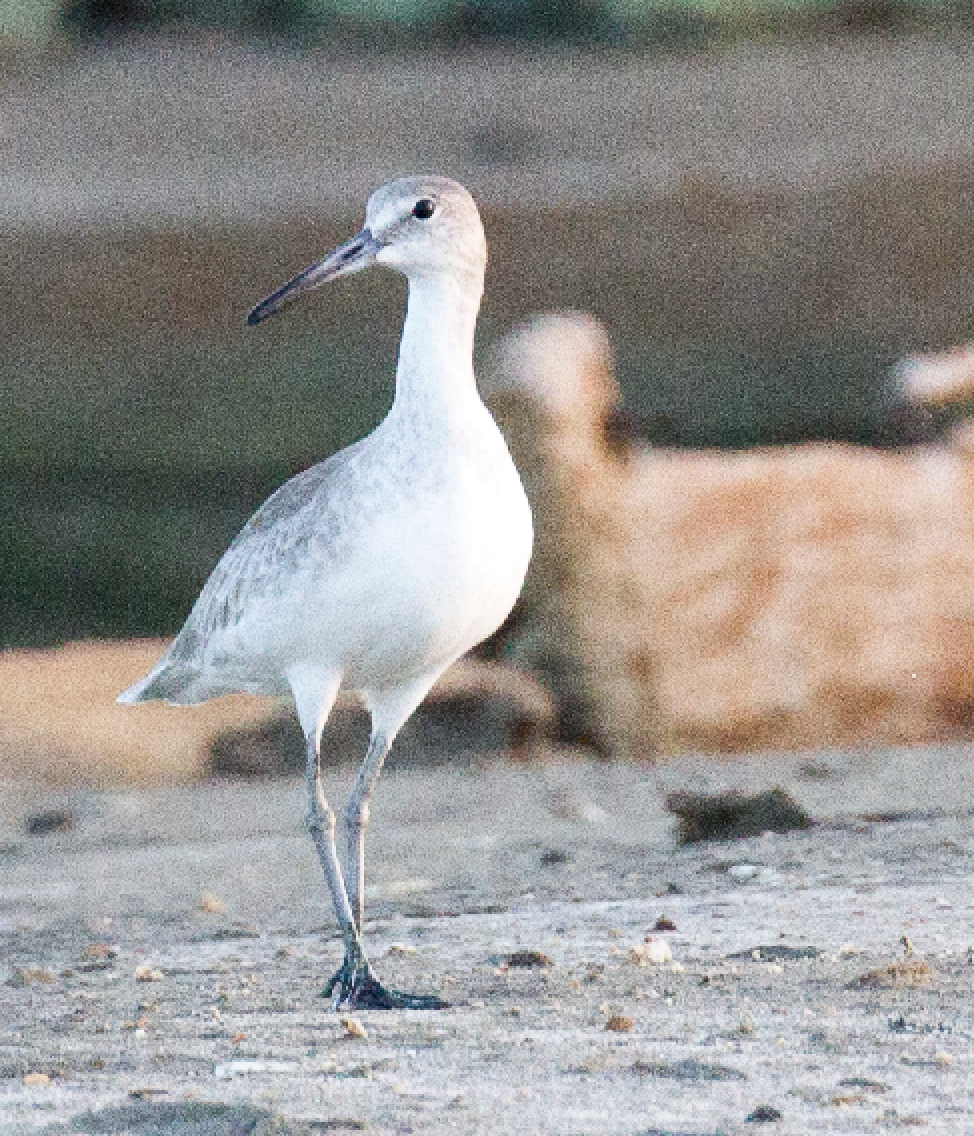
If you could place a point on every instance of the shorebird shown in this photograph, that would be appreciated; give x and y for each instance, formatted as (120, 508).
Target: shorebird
(379, 567)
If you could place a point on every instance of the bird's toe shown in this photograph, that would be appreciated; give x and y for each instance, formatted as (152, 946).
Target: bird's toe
(357, 988)
(372, 995)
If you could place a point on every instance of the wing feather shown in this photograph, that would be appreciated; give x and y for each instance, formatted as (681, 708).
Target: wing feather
(307, 524)
(309, 517)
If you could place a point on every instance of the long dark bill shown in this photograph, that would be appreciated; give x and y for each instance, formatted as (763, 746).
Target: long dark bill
(352, 256)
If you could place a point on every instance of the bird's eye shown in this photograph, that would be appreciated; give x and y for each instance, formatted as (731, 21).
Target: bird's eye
(424, 209)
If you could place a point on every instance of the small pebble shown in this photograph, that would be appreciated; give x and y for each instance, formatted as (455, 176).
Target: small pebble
(845, 1099)
(212, 904)
(397, 950)
(529, 959)
(30, 976)
(763, 1114)
(732, 815)
(231, 934)
(354, 1028)
(619, 1023)
(33, 1079)
(653, 952)
(147, 974)
(743, 873)
(99, 951)
(905, 973)
(865, 1083)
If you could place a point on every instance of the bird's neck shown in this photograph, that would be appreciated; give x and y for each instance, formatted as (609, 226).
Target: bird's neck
(435, 372)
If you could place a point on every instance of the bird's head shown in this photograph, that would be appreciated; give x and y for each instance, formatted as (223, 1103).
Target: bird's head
(419, 226)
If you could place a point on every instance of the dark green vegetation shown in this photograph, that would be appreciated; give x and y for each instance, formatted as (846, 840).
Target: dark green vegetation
(618, 23)
(141, 422)
(128, 471)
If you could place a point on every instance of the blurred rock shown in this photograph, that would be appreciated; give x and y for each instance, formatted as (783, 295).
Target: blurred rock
(50, 820)
(476, 709)
(796, 597)
(734, 815)
(679, 601)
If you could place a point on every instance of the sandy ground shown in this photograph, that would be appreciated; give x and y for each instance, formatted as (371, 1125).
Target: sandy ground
(228, 1035)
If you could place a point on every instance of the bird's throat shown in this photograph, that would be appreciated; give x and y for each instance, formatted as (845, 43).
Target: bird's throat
(436, 352)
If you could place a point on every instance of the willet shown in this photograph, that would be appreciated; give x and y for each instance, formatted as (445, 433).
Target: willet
(379, 567)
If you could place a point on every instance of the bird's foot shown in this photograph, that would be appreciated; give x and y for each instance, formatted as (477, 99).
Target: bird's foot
(354, 986)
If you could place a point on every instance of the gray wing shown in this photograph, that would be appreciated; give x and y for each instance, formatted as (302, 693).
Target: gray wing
(313, 518)
(316, 515)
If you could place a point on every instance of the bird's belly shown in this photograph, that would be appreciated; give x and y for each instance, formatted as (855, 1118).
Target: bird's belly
(425, 589)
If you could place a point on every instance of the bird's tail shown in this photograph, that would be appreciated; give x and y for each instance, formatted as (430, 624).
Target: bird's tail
(170, 680)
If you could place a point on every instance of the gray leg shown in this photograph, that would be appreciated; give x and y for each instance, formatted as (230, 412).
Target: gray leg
(321, 825)
(357, 821)
(353, 984)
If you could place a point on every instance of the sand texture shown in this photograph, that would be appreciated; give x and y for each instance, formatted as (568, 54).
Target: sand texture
(128, 1004)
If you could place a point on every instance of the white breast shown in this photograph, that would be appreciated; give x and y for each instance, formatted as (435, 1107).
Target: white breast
(441, 568)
